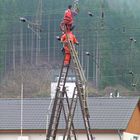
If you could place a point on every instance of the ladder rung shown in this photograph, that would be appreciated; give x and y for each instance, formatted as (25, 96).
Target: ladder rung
(62, 97)
(63, 78)
(61, 84)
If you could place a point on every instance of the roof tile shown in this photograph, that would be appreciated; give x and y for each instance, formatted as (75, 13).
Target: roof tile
(105, 113)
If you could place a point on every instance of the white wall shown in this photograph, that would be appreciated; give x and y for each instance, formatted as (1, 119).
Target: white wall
(59, 137)
(101, 137)
(16, 136)
(107, 137)
(129, 136)
(69, 87)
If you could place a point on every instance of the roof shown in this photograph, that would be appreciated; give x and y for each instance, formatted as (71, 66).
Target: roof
(105, 113)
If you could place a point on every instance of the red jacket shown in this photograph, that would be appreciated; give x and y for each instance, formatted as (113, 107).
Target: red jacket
(71, 37)
(68, 17)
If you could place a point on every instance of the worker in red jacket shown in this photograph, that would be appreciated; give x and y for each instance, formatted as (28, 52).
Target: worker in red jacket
(68, 18)
(73, 40)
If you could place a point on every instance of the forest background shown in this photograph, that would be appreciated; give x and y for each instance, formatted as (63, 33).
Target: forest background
(30, 55)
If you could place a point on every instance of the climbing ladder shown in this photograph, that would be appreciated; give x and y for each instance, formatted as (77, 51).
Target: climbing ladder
(80, 92)
(58, 104)
(81, 87)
